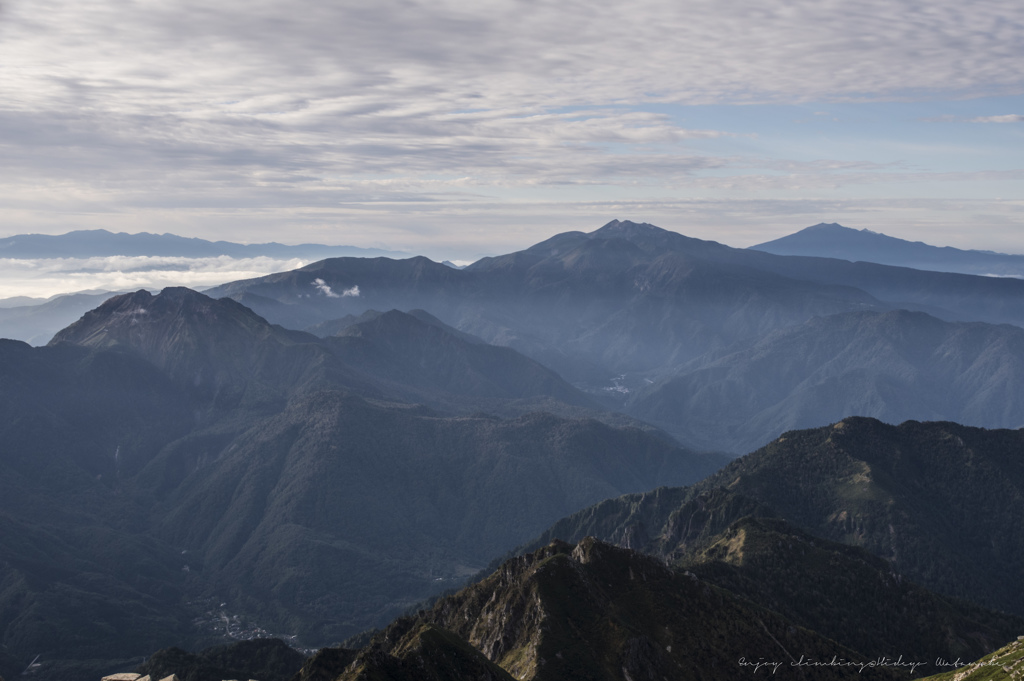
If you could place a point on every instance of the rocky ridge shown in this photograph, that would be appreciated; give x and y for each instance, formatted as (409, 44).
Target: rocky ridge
(589, 611)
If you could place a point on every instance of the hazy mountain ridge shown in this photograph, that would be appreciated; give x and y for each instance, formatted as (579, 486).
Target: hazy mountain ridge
(399, 345)
(100, 242)
(835, 241)
(648, 320)
(36, 322)
(235, 436)
(554, 307)
(219, 455)
(894, 366)
(423, 498)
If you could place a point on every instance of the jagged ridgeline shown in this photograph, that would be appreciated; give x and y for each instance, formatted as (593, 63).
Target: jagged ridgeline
(846, 594)
(170, 453)
(592, 612)
(939, 502)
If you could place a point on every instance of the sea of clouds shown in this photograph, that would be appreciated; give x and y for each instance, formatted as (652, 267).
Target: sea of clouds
(44, 278)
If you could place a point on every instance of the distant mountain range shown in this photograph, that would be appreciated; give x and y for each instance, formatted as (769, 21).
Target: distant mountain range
(99, 242)
(36, 322)
(314, 452)
(894, 366)
(835, 241)
(699, 337)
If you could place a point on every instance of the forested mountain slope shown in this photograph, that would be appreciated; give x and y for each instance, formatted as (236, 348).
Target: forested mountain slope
(168, 451)
(589, 611)
(940, 501)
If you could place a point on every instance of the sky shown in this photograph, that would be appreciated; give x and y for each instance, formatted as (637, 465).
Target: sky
(458, 129)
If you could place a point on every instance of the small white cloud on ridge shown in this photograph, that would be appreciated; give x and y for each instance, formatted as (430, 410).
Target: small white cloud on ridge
(322, 286)
(325, 289)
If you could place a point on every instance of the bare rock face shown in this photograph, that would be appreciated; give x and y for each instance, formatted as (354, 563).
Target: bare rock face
(589, 611)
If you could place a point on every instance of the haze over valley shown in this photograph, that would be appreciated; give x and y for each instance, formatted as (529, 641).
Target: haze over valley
(310, 453)
(431, 340)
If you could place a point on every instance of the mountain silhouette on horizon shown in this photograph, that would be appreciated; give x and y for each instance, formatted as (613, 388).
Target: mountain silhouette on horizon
(832, 240)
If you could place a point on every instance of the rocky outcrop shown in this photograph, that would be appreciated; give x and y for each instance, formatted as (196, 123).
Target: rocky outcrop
(590, 611)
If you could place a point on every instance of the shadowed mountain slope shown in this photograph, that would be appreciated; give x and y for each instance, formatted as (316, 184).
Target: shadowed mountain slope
(595, 612)
(418, 350)
(219, 349)
(226, 354)
(265, 659)
(894, 366)
(341, 512)
(846, 594)
(77, 560)
(36, 322)
(173, 450)
(941, 502)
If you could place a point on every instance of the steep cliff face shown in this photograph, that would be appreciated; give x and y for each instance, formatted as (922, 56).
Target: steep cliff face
(593, 611)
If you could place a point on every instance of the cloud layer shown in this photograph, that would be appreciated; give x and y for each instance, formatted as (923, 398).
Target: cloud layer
(270, 115)
(47, 277)
(1005, 118)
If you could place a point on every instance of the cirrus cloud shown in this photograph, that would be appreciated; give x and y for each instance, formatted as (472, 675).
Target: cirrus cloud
(1006, 118)
(269, 115)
